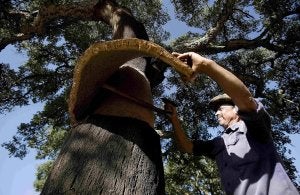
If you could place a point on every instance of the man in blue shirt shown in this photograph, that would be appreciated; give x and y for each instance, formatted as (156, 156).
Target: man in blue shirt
(245, 153)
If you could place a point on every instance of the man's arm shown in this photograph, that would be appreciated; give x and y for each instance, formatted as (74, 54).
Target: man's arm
(230, 84)
(183, 143)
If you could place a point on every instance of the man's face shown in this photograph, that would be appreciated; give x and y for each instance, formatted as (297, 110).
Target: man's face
(227, 115)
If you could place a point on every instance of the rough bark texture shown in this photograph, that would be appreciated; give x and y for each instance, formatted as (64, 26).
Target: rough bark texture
(108, 155)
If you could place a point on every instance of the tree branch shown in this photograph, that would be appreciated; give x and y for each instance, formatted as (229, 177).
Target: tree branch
(47, 14)
(204, 44)
(212, 33)
(231, 45)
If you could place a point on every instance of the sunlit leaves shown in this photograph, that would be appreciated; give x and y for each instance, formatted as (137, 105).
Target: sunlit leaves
(42, 173)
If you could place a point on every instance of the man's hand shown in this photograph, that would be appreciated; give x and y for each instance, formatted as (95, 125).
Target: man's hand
(194, 60)
(170, 107)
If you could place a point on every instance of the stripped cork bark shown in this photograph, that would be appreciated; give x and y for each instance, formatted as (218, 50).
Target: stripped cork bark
(101, 60)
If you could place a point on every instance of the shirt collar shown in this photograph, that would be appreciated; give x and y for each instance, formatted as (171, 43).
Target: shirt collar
(232, 128)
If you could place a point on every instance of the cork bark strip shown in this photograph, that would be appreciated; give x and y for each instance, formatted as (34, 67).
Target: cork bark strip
(101, 60)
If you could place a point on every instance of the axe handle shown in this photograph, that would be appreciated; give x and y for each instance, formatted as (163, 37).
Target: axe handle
(134, 99)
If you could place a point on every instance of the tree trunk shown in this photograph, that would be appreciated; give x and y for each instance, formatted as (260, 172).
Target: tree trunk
(108, 155)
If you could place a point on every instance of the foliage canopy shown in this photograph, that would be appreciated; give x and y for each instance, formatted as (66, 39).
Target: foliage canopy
(257, 40)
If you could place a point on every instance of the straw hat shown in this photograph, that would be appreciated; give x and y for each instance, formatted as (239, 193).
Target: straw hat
(222, 99)
(101, 60)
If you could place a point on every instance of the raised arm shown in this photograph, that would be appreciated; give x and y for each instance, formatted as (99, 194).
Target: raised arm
(183, 143)
(230, 84)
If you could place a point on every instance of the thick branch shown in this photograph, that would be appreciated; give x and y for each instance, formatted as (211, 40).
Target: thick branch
(46, 15)
(212, 33)
(205, 45)
(224, 16)
(231, 45)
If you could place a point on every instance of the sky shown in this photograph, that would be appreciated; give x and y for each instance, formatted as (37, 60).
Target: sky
(17, 176)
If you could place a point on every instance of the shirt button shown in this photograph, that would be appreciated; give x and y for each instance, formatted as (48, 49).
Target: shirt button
(225, 164)
(228, 183)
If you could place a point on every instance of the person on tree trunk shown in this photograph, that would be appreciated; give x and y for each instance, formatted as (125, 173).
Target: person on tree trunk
(245, 152)
(113, 149)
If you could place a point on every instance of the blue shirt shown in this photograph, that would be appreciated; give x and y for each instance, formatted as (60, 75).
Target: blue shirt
(246, 157)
